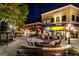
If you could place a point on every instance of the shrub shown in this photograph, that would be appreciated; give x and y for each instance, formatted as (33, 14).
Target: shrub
(72, 52)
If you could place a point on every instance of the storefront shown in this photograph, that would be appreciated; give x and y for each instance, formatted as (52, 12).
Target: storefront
(58, 30)
(63, 21)
(35, 28)
(64, 29)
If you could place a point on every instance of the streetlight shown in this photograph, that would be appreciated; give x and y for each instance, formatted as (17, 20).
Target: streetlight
(10, 27)
(69, 29)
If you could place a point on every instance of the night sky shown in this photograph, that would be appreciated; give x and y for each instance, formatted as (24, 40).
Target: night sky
(36, 9)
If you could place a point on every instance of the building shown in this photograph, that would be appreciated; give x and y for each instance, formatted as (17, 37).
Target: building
(63, 21)
(35, 28)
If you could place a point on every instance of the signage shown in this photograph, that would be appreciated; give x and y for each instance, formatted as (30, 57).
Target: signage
(58, 28)
(59, 24)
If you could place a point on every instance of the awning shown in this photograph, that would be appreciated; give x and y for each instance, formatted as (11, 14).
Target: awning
(58, 28)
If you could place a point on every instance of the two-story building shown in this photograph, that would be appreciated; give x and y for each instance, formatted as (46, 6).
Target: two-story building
(35, 28)
(63, 20)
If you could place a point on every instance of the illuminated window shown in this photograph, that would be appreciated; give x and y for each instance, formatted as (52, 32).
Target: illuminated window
(44, 21)
(57, 19)
(73, 17)
(64, 18)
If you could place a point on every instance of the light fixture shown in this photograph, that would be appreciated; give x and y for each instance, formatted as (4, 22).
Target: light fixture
(14, 27)
(72, 28)
(67, 34)
(75, 30)
(48, 28)
(10, 26)
(69, 25)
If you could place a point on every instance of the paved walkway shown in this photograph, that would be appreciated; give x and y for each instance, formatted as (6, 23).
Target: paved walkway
(12, 47)
(73, 42)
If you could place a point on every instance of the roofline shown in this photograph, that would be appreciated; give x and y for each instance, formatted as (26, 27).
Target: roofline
(34, 23)
(61, 8)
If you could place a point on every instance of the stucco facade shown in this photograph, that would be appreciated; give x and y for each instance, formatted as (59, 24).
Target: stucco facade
(66, 10)
(70, 12)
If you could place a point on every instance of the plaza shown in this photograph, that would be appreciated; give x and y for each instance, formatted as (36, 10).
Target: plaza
(57, 34)
(11, 49)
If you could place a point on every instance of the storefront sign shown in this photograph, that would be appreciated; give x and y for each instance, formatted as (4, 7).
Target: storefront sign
(59, 24)
(58, 28)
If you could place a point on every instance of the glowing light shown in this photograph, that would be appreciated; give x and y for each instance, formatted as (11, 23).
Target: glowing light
(58, 28)
(75, 30)
(67, 34)
(48, 28)
(14, 27)
(69, 25)
(72, 28)
(10, 26)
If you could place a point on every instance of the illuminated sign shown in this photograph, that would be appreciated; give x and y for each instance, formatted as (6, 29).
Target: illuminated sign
(58, 28)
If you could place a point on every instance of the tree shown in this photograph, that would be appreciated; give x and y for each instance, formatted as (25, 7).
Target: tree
(4, 26)
(15, 14)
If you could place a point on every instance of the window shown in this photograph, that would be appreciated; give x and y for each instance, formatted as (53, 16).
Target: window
(44, 22)
(73, 18)
(57, 19)
(48, 21)
(77, 18)
(64, 18)
(52, 19)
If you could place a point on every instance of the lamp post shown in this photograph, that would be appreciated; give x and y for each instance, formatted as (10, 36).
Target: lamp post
(69, 30)
(69, 36)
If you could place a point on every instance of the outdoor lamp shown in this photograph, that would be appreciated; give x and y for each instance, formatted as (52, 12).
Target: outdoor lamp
(14, 27)
(72, 28)
(47, 28)
(10, 26)
(75, 30)
(69, 27)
